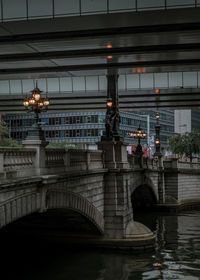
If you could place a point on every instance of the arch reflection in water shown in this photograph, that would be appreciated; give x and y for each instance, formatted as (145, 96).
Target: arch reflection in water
(176, 256)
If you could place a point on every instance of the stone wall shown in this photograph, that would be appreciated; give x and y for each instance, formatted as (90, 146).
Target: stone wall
(188, 186)
(182, 182)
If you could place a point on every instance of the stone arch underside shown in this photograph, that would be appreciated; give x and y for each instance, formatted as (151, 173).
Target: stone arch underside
(69, 200)
(19, 206)
(144, 179)
(143, 197)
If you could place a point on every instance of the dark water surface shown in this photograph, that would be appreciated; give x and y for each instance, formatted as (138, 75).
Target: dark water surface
(176, 256)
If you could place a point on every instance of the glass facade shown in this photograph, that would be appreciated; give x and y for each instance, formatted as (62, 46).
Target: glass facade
(88, 127)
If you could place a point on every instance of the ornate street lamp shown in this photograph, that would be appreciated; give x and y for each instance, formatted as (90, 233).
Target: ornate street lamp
(139, 134)
(35, 103)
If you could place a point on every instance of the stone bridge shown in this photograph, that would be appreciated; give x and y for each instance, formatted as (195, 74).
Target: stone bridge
(104, 186)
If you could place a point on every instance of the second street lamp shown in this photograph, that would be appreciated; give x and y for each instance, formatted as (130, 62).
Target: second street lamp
(139, 134)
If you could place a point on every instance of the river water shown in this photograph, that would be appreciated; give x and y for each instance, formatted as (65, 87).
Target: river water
(176, 256)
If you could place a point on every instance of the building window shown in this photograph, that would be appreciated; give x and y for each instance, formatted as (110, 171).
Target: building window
(88, 119)
(57, 134)
(78, 119)
(54, 121)
(78, 133)
(88, 132)
(66, 133)
(67, 120)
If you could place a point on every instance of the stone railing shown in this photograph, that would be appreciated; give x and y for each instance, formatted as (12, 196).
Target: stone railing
(54, 157)
(134, 161)
(15, 160)
(150, 163)
(84, 159)
(137, 162)
(176, 163)
(24, 162)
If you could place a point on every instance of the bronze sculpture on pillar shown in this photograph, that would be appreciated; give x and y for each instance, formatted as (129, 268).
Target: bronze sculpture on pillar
(112, 122)
(112, 111)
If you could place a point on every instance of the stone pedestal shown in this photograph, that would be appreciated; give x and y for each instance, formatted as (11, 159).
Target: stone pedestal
(39, 160)
(115, 153)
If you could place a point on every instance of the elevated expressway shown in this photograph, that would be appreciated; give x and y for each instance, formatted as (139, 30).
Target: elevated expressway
(164, 41)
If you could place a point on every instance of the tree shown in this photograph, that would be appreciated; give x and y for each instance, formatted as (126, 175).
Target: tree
(5, 140)
(188, 144)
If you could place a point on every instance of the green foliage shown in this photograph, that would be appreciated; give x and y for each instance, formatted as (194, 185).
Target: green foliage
(9, 142)
(5, 141)
(64, 145)
(188, 144)
(3, 129)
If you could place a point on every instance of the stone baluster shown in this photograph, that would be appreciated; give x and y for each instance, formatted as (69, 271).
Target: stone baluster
(1, 161)
(88, 160)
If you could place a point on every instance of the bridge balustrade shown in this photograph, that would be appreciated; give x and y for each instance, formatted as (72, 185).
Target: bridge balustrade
(23, 162)
(54, 157)
(178, 164)
(15, 159)
(138, 162)
(84, 159)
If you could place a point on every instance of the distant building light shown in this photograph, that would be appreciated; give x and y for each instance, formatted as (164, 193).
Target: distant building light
(109, 46)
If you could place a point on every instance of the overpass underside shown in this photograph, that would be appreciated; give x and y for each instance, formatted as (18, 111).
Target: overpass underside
(71, 57)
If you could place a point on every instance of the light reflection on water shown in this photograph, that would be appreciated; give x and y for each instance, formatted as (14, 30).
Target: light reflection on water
(177, 256)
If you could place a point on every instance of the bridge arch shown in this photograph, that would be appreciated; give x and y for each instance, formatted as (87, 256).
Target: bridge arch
(143, 197)
(60, 199)
(29, 203)
(19, 207)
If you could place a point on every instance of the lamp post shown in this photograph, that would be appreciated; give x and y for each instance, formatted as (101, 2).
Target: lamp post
(112, 121)
(35, 103)
(139, 134)
(157, 140)
(148, 128)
